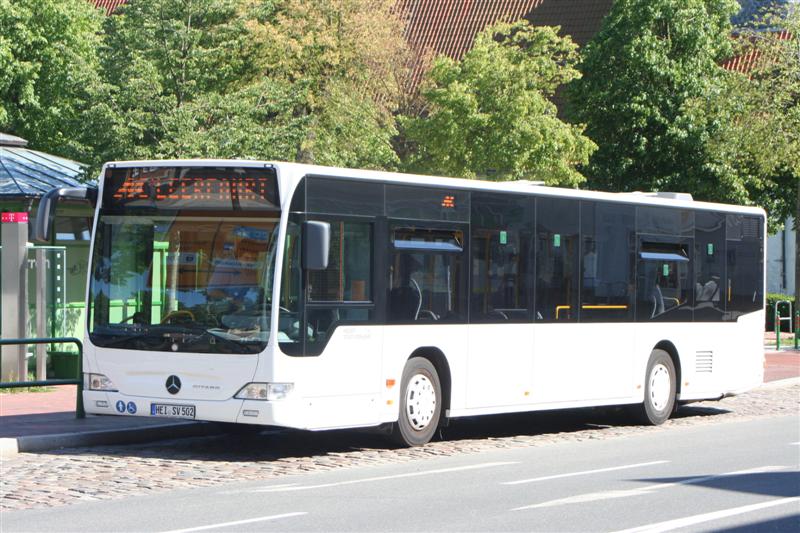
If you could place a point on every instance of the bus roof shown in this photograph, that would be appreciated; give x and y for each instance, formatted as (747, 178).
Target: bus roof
(295, 171)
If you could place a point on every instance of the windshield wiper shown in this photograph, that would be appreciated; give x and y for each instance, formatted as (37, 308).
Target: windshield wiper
(201, 332)
(117, 342)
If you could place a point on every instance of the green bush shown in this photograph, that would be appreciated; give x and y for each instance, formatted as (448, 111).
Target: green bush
(771, 299)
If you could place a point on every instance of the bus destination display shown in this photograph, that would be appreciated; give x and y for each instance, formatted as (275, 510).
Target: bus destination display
(195, 188)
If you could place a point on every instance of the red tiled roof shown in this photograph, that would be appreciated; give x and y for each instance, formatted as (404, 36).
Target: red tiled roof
(580, 19)
(449, 27)
(746, 62)
(108, 5)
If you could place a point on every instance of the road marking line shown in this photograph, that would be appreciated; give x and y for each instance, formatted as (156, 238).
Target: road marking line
(794, 444)
(237, 523)
(670, 525)
(239, 491)
(613, 494)
(585, 472)
(382, 478)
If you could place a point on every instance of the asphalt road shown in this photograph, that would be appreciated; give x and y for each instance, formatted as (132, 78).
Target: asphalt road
(743, 474)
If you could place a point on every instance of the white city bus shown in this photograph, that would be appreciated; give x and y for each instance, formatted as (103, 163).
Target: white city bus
(318, 298)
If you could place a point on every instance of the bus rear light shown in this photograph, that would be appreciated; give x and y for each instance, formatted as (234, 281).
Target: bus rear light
(98, 382)
(265, 391)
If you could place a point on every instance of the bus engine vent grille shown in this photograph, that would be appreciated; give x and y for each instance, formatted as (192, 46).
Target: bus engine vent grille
(704, 361)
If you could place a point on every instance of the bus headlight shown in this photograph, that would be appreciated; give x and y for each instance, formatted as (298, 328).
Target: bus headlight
(98, 382)
(265, 391)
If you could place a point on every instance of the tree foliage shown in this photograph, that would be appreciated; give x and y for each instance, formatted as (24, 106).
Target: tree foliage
(183, 75)
(649, 59)
(49, 74)
(490, 114)
(271, 79)
(756, 116)
(348, 59)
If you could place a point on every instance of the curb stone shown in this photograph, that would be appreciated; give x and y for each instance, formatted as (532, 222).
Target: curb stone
(39, 443)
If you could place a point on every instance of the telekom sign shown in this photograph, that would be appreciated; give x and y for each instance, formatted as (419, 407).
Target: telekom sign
(14, 218)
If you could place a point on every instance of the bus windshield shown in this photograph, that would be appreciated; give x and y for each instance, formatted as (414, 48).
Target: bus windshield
(180, 280)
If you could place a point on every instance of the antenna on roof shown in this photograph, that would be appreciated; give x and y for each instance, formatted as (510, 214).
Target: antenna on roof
(683, 196)
(526, 183)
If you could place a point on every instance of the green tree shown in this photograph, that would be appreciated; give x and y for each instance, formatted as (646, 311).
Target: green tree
(649, 59)
(490, 116)
(50, 87)
(348, 59)
(757, 114)
(186, 82)
(272, 79)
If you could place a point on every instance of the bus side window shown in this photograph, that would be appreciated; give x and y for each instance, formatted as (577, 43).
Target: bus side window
(710, 275)
(557, 260)
(745, 256)
(501, 251)
(607, 272)
(426, 274)
(664, 286)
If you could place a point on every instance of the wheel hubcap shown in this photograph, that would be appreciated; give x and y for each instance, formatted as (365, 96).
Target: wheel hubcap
(659, 387)
(420, 402)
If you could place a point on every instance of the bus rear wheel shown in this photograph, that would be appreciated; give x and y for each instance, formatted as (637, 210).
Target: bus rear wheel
(420, 404)
(659, 390)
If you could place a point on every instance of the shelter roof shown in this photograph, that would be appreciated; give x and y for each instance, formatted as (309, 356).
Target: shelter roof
(26, 173)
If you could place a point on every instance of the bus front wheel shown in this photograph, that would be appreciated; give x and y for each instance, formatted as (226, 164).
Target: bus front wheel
(659, 389)
(420, 403)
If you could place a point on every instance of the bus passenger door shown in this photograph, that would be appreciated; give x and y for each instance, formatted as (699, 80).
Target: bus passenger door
(332, 327)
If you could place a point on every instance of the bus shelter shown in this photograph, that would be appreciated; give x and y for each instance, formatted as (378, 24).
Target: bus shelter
(43, 287)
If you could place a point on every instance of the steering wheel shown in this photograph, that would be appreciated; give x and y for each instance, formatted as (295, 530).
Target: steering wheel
(173, 314)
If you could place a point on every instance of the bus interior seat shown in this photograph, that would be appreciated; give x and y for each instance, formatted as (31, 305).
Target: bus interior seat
(404, 303)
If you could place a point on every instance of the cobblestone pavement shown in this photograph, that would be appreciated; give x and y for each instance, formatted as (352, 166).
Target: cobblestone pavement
(101, 473)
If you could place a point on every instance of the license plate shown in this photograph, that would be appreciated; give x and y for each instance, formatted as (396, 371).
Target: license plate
(172, 411)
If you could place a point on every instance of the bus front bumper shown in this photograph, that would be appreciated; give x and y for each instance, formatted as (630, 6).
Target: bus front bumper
(231, 410)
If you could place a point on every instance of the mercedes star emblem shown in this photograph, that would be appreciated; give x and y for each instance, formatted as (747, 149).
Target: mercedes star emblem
(173, 384)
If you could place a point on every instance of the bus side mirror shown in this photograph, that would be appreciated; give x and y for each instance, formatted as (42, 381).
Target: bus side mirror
(46, 212)
(316, 244)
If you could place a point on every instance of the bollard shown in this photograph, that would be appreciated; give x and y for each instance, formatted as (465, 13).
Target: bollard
(796, 329)
(778, 322)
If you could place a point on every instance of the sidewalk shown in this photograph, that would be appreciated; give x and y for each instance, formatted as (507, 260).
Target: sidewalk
(38, 421)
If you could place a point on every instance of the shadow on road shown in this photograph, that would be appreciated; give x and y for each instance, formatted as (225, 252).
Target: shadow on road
(249, 444)
(778, 484)
(788, 523)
